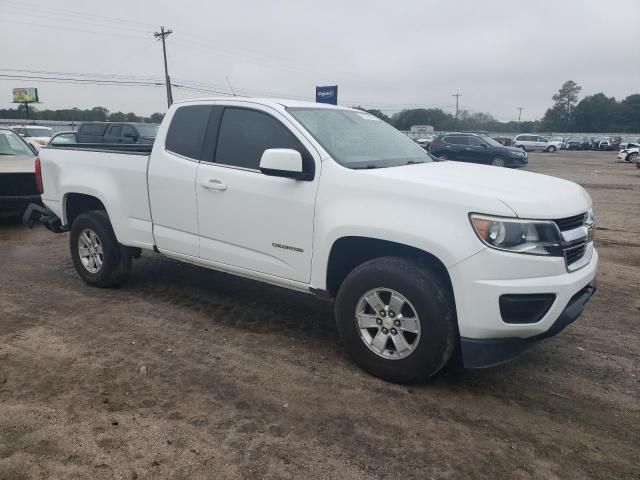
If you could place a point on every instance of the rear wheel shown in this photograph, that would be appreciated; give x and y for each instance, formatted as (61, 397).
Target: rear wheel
(98, 257)
(497, 162)
(396, 319)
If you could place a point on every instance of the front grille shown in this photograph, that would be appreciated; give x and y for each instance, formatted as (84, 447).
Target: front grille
(573, 254)
(570, 223)
(573, 248)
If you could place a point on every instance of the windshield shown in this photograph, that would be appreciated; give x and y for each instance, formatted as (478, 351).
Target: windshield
(358, 139)
(491, 141)
(12, 144)
(38, 132)
(147, 130)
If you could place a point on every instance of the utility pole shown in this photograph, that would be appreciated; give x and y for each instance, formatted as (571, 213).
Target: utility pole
(457, 95)
(519, 116)
(162, 34)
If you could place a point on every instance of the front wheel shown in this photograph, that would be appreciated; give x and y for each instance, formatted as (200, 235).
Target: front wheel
(551, 149)
(443, 157)
(98, 257)
(497, 162)
(396, 319)
(632, 158)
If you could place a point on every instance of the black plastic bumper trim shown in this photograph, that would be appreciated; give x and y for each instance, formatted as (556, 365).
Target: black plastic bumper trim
(490, 352)
(37, 213)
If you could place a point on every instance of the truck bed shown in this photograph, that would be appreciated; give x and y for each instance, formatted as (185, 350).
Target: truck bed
(114, 174)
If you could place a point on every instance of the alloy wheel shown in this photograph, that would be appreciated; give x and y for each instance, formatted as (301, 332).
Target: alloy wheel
(388, 323)
(90, 251)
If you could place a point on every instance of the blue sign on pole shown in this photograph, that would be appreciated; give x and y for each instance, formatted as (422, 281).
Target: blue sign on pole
(327, 94)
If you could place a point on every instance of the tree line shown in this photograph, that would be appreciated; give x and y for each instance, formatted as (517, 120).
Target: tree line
(95, 114)
(594, 113)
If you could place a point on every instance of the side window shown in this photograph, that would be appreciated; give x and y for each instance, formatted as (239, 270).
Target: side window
(542, 139)
(128, 131)
(64, 138)
(475, 141)
(187, 131)
(115, 130)
(245, 135)
(457, 140)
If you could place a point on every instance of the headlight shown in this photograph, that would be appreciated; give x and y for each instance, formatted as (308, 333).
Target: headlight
(520, 236)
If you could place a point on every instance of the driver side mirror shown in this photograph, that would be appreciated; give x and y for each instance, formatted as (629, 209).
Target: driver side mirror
(282, 162)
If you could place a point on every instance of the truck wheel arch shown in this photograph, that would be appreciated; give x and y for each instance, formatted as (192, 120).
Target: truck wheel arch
(349, 252)
(78, 203)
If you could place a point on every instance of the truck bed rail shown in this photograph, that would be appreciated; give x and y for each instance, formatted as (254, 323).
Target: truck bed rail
(129, 149)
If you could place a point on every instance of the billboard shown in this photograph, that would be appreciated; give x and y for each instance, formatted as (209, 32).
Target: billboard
(25, 95)
(327, 94)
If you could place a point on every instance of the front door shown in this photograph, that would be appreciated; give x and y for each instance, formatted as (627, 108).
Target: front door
(250, 220)
(477, 151)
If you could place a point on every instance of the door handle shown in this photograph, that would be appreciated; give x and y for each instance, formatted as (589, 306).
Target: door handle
(213, 185)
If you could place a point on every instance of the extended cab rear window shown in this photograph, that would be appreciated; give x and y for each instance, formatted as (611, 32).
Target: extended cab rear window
(187, 131)
(245, 134)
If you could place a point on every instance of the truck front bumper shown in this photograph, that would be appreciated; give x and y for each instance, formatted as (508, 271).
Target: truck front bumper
(506, 302)
(489, 352)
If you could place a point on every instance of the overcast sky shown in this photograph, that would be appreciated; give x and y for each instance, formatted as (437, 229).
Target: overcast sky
(383, 54)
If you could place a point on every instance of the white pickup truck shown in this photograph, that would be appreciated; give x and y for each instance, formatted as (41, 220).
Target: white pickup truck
(423, 259)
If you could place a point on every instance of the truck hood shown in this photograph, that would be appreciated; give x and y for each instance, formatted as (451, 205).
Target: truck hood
(529, 195)
(17, 164)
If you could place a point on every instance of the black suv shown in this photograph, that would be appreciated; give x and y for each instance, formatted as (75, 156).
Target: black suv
(471, 147)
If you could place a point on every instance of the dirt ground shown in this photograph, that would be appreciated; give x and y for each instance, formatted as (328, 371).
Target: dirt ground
(185, 373)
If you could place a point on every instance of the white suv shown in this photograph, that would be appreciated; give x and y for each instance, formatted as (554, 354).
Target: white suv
(34, 135)
(530, 142)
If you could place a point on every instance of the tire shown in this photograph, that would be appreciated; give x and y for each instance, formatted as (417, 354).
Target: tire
(551, 149)
(105, 262)
(632, 157)
(498, 161)
(428, 299)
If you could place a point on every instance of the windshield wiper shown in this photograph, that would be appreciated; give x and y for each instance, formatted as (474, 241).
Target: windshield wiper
(368, 167)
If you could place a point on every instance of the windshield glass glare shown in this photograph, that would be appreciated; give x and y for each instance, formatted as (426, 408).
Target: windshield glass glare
(358, 139)
(12, 144)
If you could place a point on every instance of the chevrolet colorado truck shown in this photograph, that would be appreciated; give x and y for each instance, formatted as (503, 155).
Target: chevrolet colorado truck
(422, 259)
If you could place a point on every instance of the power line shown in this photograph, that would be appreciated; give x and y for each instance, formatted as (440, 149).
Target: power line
(163, 34)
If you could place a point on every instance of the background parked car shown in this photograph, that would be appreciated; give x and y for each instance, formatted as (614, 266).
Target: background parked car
(470, 147)
(578, 143)
(116, 132)
(629, 153)
(33, 134)
(506, 141)
(17, 175)
(63, 138)
(528, 141)
(424, 142)
(561, 141)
